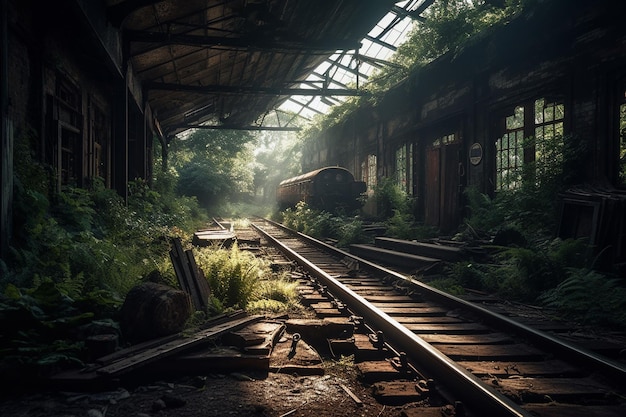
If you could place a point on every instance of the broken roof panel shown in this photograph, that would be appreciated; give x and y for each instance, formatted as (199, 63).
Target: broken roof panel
(232, 61)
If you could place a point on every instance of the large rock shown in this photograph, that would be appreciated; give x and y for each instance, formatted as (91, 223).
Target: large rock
(152, 310)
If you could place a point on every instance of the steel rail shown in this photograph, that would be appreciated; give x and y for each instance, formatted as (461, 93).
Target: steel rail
(470, 389)
(598, 362)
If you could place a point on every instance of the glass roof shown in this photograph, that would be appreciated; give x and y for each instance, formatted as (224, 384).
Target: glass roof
(351, 68)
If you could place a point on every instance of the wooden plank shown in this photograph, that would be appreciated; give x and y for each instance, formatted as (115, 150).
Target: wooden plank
(404, 305)
(415, 311)
(206, 237)
(554, 387)
(429, 320)
(212, 362)
(509, 368)
(134, 349)
(199, 281)
(485, 352)
(467, 339)
(447, 253)
(352, 395)
(143, 358)
(378, 289)
(567, 410)
(426, 411)
(376, 371)
(396, 392)
(390, 298)
(184, 274)
(257, 339)
(458, 328)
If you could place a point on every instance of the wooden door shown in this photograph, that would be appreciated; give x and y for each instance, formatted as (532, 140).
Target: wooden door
(431, 187)
(441, 190)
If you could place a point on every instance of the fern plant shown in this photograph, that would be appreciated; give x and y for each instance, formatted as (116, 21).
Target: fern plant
(233, 275)
(590, 297)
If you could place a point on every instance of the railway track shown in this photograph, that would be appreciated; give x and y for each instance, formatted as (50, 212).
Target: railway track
(486, 363)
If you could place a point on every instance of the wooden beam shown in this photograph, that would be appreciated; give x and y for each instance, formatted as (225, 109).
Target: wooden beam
(238, 42)
(118, 12)
(226, 127)
(143, 358)
(240, 90)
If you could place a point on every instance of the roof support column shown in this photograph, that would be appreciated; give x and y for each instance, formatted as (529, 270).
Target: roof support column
(6, 139)
(120, 139)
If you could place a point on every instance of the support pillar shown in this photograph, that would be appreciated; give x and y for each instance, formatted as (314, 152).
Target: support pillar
(6, 139)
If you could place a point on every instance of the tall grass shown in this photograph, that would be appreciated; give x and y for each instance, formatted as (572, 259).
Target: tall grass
(233, 275)
(240, 280)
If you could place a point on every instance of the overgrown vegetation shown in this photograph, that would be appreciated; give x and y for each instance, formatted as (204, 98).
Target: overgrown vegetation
(241, 280)
(324, 225)
(448, 26)
(529, 263)
(77, 251)
(395, 213)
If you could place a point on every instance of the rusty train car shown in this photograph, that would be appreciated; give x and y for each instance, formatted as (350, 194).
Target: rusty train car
(328, 189)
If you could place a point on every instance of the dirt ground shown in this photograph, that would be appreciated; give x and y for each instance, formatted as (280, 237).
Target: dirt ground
(305, 384)
(235, 394)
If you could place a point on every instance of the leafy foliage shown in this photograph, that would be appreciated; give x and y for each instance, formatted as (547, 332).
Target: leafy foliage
(43, 327)
(213, 166)
(239, 279)
(276, 295)
(233, 275)
(447, 27)
(524, 273)
(397, 210)
(75, 255)
(321, 224)
(590, 297)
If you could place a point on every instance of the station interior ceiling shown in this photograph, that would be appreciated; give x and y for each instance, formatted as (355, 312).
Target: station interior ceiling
(256, 64)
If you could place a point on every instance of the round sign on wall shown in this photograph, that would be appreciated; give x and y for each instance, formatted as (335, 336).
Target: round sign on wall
(475, 153)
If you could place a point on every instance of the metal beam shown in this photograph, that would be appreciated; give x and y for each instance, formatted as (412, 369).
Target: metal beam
(238, 90)
(381, 42)
(118, 12)
(238, 42)
(226, 127)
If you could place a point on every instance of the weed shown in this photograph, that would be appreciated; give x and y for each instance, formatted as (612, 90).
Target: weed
(233, 275)
(590, 297)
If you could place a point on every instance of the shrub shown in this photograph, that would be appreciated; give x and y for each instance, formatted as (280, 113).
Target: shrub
(590, 297)
(390, 199)
(233, 275)
(277, 294)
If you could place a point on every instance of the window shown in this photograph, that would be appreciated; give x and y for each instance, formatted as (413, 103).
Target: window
(67, 144)
(101, 142)
(539, 141)
(548, 135)
(401, 171)
(368, 173)
(510, 151)
(444, 140)
(622, 143)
